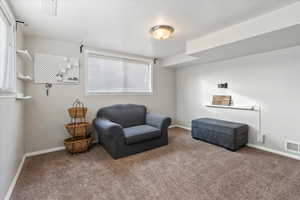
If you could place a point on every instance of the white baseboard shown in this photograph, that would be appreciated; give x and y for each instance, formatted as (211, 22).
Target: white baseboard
(26, 155)
(35, 153)
(14, 181)
(274, 151)
(183, 127)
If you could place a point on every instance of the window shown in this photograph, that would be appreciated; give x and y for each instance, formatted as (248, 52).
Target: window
(118, 75)
(7, 55)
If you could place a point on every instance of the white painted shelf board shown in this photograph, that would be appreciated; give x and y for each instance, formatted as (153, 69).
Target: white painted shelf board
(24, 98)
(25, 54)
(231, 107)
(67, 81)
(24, 77)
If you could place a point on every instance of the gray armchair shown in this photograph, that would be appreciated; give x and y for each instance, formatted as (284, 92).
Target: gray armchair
(128, 129)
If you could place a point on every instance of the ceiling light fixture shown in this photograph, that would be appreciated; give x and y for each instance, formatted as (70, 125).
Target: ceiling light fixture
(49, 7)
(161, 32)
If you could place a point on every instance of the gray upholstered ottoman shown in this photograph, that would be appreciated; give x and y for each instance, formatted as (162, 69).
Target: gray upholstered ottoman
(230, 135)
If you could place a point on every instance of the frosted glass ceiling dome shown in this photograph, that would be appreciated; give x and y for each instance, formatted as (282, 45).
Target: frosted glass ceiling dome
(162, 32)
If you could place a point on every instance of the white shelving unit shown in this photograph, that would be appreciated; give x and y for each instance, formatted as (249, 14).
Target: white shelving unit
(24, 54)
(231, 107)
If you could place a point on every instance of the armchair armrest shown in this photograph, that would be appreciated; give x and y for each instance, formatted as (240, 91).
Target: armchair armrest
(158, 121)
(110, 135)
(108, 128)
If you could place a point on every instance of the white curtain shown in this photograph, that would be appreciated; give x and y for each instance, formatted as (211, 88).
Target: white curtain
(7, 55)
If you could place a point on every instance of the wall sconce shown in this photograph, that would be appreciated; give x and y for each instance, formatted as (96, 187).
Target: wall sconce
(223, 85)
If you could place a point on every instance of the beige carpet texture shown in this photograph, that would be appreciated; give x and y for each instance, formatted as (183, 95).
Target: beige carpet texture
(186, 169)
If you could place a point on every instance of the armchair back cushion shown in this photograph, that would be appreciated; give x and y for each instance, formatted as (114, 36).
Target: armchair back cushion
(126, 115)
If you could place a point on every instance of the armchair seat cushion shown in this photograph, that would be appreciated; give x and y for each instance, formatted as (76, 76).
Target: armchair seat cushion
(136, 134)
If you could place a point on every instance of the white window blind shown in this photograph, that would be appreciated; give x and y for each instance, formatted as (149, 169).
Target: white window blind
(7, 55)
(116, 75)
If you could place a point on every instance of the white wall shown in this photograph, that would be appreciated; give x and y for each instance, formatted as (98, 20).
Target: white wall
(11, 131)
(46, 116)
(270, 80)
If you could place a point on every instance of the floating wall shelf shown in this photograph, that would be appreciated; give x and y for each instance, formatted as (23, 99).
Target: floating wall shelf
(20, 96)
(24, 98)
(24, 54)
(232, 107)
(69, 81)
(24, 77)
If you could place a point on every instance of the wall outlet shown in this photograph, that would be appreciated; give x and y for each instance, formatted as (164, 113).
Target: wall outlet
(292, 146)
(261, 138)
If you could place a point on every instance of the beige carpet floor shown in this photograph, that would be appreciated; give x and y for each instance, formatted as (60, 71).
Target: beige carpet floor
(186, 169)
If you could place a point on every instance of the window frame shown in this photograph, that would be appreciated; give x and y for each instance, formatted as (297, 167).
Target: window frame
(116, 56)
(6, 13)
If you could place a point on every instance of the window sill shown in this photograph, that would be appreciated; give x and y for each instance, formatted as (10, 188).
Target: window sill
(120, 93)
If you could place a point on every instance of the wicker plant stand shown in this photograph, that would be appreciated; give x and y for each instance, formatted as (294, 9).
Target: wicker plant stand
(79, 129)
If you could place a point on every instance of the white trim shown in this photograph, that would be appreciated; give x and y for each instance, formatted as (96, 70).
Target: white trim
(26, 155)
(89, 93)
(11, 42)
(7, 12)
(173, 126)
(107, 53)
(274, 151)
(183, 127)
(14, 181)
(35, 153)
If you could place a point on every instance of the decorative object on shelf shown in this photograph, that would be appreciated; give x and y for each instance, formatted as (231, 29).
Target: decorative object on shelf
(223, 85)
(221, 100)
(79, 129)
(63, 72)
(25, 54)
(162, 32)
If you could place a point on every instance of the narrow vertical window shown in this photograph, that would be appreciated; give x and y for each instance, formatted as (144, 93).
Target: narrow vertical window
(7, 55)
